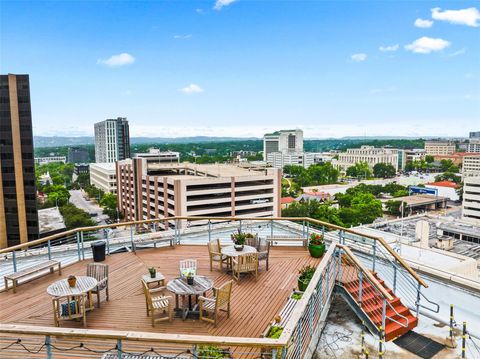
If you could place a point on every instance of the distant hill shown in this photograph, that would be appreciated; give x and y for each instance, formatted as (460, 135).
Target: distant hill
(56, 141)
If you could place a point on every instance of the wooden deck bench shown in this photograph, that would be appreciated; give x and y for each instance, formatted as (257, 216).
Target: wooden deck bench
(284, 314)
(157, 237)
(14, 277)
(284, 238)
(130, 356)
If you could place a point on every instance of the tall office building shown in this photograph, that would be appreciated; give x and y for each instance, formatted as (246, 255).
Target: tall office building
(18, 205)
(77, 155)
(112, 140)
(474, 143)
(283, 141)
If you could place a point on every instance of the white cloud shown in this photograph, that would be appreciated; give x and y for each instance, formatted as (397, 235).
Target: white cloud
(426, 45)
(182, 37)
(389, 48)
(424, 24)
(117, 60)
(199, 11)
(457, 53)
(191, 89)
(359, 57)
(469, 17)
(221, 3)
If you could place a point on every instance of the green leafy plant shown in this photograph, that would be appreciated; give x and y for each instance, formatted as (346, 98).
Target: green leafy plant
(297, 296)
(275, 332)
(306, 273)
(316, 239)
(211, 351)
(238, 238)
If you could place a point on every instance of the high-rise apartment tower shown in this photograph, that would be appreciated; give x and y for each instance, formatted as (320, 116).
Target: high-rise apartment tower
(18, 205)
(112, 140)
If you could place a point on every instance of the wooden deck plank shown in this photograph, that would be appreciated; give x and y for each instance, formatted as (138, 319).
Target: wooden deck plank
(254, 303)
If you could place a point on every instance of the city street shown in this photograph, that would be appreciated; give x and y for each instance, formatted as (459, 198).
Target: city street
(77, 198)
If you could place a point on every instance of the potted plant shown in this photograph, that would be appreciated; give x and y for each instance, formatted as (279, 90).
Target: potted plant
(153, 272)
(72, 281)
(306, 274)
(316, 245)
(189, 277)
(211, 351)
(238, 240)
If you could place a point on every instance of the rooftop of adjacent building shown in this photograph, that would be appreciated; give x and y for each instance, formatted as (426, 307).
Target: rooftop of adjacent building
(279, 132)
(50, 219)
(420, 199)
(202, 171)
(448, 184)
(106, 166)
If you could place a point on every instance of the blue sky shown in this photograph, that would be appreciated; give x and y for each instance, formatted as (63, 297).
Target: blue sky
(242, 68)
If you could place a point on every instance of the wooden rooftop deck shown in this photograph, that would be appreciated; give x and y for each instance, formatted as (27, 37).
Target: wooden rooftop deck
(254, 303)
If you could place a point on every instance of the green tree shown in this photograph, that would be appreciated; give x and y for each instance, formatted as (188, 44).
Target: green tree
(384, 170)
(57, 195)
(75, 217)
(359, 170)
(429, 159)
(448, 176)
(393, 207)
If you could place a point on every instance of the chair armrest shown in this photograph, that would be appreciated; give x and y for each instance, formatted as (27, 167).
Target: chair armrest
(163, 297)
(104, 280)
(206, 299)
(159, 289)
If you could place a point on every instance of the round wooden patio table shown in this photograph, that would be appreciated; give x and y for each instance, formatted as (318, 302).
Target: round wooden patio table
(83, 285)
(180, 287)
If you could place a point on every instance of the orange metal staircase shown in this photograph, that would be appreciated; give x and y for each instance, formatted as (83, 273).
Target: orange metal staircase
(398, 318)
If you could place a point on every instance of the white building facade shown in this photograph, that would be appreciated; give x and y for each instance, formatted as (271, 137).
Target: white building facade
(368, 154)
(104, 176)
(283, 141)
(471, 164)
(280, 160)
(439, 148)
(471, 199)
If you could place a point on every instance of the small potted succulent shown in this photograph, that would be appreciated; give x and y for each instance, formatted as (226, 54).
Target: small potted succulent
(306, 274)
(316, 245)
(72, 281)
(238, 240)
(153, 272)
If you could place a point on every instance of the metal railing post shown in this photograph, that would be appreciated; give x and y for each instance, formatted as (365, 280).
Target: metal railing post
(308, 229)
(339, 264)
(310, 315)
(14, 261)
(177, 232)
(320, 294)
(107, 240)
(240, 225)
(49, 248)
(119, 349)
(362, 338)
(451, 323)
(82, 245)
(394, 278)
(271, 228)
(48, 344)
(274, 353)
(78, 247)
(384, 312)
(464, 338)
(374, 254)
(194, 350)
(209, 230)
(323, 231)
(419, 287)
(360, 287)
(131, 235)
(380, 343)
(303, 229)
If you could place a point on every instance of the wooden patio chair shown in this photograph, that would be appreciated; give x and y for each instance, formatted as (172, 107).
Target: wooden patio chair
(70, 307)
(252, 241)
(100, 273)
(263, 248)
(245, 263)
(215, 252)
(188, 266)
(220, 300)
(157, 302)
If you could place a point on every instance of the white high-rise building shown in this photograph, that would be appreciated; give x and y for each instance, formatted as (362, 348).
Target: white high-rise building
(283, 141)
(471, 199)
(112, 140)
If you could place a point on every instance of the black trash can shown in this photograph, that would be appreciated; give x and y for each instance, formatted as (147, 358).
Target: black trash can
(98, 251)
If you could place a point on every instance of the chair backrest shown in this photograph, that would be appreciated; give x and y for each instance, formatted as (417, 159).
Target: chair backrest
(263, 245)
(188, 266)
(214, 246)
(247, 262)
(223, 294)
(98, 271)
(146, 291)
(251, 241)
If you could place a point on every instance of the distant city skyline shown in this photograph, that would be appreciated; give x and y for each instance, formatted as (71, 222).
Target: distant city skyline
(246, 68)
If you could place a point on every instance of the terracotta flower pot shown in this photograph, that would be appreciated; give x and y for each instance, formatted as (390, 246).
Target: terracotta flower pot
(72, 281)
